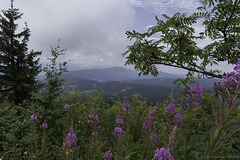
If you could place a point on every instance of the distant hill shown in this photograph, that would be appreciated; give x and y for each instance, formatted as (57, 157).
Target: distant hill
(114, 80)
(113, 74)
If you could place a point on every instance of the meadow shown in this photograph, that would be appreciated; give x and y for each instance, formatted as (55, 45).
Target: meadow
(198, 125)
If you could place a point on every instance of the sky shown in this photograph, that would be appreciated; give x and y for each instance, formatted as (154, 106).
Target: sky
(93, 31)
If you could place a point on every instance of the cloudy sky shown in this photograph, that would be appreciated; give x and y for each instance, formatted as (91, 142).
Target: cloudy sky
(93, 31)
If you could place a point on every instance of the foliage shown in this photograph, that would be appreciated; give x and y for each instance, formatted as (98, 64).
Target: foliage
(64, 125)
(187, 140)
(172, 41)
(18, 68)
(53, 87)
(14, 127)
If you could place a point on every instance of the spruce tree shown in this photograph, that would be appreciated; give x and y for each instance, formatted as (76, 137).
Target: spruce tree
(18, 67)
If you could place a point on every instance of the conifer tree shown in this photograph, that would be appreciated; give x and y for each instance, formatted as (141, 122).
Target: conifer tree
(18, 66)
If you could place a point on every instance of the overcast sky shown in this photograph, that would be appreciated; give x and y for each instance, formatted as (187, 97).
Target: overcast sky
(93, 31)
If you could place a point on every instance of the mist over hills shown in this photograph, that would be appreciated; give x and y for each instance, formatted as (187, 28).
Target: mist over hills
(113, 74)
(115, 80)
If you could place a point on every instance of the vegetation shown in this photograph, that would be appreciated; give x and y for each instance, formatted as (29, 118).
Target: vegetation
(18, 68)
(173, 42)
(58, 124)
(206, 127)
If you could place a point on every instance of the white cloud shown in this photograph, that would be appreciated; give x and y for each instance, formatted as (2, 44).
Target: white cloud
(167, 6)
(138, 3)
(93, 31)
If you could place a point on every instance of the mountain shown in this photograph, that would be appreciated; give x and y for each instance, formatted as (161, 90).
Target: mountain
(115, 80)
(112, 74)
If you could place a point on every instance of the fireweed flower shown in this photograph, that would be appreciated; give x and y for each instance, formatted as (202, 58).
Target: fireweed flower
(178, 118)
(148, 127)
(237, 67)
(93, 118)
(148, 123)
(107, 156)
(163, 154)
(70, 141)
(119, 127)
(67, 106)
(152, 113)
(195, 92)
(119, 121)
(170, 109)
(94, 121)
(45, 125)
(126, 108)
(230, 80)
(118, 131)
(33, 117)
(154, 137)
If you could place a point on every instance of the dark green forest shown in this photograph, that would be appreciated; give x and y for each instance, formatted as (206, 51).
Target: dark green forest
(52, 119)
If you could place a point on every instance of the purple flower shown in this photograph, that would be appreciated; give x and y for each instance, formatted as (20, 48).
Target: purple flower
(94, 121)
(34, 117)
(154, 137)
(67, 106)
(45, 125)
(91, 116)
(70, 142)
(231, 79)
(126, 108)
(163, 154)
(118, 131)
(152, 113)
(195, 92)
(178, 118)
(148, 125)
(170, 109)
(119, 121)
(107, 156)
(96, 117)
(90, 121)
(237, 67)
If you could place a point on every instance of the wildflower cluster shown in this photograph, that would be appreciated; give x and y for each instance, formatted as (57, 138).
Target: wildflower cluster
(119, 127)
(163, 154)
(126, 108)
(237, 67)
(195, 93)
(66, 106)
(227, 102)
(148, 123)
(44, 125)
(178, 118)
(94, 121)
(148, 127)
(170, 110)
(231, 80)
(126, 111)
(107, 156)
(70, 141)
(34, 117)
